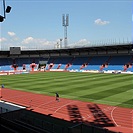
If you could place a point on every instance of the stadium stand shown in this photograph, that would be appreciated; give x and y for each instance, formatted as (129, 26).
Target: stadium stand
(106, 62)
(99, 63)
(100, 58)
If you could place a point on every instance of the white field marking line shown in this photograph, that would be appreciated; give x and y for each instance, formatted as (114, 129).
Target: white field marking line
(59, 107)
(45, 103)
(113, 117)
(18, 96)
(126, 127)
(107, 109)
(63, 106)
(51, 108)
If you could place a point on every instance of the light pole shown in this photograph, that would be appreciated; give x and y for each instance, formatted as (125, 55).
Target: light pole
(61, 42)
(6, 10)
(65, 23)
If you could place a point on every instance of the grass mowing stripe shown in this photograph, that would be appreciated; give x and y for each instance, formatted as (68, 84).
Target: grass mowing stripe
(107, 93)
(70, 88)
(128, 102)
(120, 97)
(71, 84)
(40, 76)
(24, 79)
(54, 82)
(96, 89)
(113, 103)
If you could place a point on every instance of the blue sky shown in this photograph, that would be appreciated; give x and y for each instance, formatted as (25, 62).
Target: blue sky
(39, 22)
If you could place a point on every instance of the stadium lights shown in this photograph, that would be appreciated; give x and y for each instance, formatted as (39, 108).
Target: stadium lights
(6, 10)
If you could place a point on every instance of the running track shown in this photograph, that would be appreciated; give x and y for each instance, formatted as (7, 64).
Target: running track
(113, 118)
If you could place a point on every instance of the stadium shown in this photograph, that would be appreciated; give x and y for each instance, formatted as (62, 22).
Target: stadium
(94, 84)
(70, 88)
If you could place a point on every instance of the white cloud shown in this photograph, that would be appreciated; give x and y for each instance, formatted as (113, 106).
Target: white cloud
(3, 39)
(38, 41)
(35, 43)
(13, 36)
(28, 40)
(101, 22)
(81, 43)
(11, 33)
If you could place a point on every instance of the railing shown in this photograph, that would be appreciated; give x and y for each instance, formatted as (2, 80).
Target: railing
(31, 122)
(30, 47)
(83, 128)
(3, 110)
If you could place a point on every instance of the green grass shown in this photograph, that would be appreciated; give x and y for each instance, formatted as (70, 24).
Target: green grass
(111, 89)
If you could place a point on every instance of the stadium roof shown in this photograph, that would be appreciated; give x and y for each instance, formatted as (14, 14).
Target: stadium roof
(126, 49)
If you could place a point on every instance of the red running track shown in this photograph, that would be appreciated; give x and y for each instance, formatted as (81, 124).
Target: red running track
(110, 117)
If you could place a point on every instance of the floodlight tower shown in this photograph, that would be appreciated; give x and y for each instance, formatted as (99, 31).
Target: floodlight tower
(6, 10)
(65, 19)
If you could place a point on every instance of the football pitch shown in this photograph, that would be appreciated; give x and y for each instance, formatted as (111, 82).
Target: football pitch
(110, 89)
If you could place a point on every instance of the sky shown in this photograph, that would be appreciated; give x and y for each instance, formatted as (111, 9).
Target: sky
(38, 23)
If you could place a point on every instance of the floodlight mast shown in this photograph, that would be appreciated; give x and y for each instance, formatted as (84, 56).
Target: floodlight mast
(6, 10)
(65, 23)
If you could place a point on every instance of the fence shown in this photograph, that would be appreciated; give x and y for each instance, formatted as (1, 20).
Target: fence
(83, 128)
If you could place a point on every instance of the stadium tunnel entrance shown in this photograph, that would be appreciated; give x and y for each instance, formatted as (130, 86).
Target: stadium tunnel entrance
(42, 65)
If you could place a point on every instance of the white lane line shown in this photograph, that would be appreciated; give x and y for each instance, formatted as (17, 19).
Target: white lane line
(63, 106)
(44, 104)
(113, 117)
